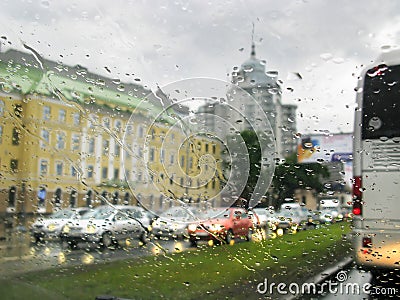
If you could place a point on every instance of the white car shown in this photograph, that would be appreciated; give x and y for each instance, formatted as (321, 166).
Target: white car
(328, 215)
(173, 222)
(266, 216)
(50, 227)
(107, 226)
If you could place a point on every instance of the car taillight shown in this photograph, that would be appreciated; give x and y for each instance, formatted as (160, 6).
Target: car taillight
(367, 242)
(357, 196)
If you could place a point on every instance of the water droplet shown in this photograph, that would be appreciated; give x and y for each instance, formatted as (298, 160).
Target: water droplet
(45, 3)
(326, 56)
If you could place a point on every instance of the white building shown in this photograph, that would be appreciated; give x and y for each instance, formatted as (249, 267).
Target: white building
(265, 101)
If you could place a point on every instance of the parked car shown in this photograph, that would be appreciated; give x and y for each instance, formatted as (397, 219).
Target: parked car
(262, 216)
(107, 226)
(330, 215)
(312, 220)
(49, 228)
(223, 224)
(173, 222)
(288, 220)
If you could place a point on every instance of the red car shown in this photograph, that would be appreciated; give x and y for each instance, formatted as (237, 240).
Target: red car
(223, 225)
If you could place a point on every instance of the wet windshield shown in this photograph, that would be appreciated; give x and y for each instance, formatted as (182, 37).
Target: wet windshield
(221, 149)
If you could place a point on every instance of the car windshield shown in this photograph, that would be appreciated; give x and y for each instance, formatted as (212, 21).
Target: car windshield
(99, 214)
(214, 149)
(63, 214)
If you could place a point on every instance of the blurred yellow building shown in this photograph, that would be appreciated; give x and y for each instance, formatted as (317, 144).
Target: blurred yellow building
(61, 143)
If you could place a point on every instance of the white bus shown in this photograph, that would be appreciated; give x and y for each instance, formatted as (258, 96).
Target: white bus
(376, 165)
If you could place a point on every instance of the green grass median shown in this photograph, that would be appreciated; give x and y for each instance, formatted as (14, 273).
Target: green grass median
(215, 272)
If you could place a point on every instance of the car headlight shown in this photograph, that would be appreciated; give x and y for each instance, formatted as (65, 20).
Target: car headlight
(216, 227)
(51, 227)
(91, 229)
(192, 227)
(66, 229)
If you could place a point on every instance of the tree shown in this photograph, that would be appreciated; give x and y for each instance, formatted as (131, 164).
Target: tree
(291, 175)
(254, 150)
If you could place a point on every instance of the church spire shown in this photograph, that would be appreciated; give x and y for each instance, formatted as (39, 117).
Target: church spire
(253, 46)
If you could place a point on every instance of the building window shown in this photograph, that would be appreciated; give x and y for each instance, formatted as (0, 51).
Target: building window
(61, 115)
(43, 168)
(182, 161)
(75, 141)
(106, 123)
(18, 110)
(104, 172)
(14, 165)
(41, 197)
(45, 135)
(162, 155)
(73, 171)
(172, 159)
(92, 121)
(46, 113)
(127, 198)
(118, 126)
(57, 197)
(1, 108)
(12, 196)
(60, 141)
(214, 148)
(1, 134)
(117, 149)
(116, 174)
(129, 130)
(206, 147)
(115, 197)
(73, 198)
(76, 119)
(88, 197)
(59, 168)
(191, 162)
(106, 146)
(104, 197)
(91, 146)
(151, 154)
(140, 131)
(90, 171)
(15, 136)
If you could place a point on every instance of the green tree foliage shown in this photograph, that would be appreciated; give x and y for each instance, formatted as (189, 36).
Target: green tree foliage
(291, 175)
(254, 150)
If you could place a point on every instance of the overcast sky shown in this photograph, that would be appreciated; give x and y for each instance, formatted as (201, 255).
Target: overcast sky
(163, 41)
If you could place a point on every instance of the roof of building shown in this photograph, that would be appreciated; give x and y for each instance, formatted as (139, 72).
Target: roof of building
(252, 73)
(28, 73)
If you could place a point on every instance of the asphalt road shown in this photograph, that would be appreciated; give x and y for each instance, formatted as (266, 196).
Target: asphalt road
(51, 254)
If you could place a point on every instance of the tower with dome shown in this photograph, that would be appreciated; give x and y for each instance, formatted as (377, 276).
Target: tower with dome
(263, 85)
